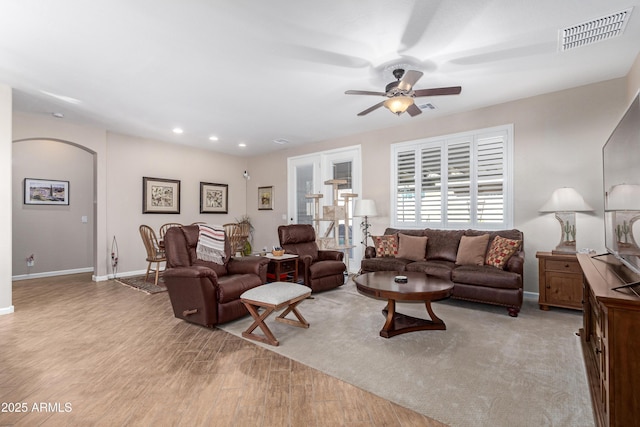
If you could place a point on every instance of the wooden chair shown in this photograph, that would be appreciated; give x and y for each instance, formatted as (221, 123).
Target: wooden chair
(154, 253)
(237, 233)
(165, 227)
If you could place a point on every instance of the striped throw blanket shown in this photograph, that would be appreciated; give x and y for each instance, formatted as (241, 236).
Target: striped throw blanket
(211, 243)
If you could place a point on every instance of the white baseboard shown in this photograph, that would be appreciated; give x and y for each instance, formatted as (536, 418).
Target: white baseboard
(52, 273)
(76, 271)
(531, 295)
(6, 310)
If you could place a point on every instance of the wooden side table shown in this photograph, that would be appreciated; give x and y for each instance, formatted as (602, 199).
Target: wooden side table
(281, 266)
(560, 281)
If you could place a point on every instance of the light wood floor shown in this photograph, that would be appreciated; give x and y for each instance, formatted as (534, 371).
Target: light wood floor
(103, 354)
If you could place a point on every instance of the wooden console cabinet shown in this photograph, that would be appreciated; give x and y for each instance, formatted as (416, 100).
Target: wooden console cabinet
(611, 342)
(560, 281)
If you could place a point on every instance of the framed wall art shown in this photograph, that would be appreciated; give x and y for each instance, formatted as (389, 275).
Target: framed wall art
(45, 192)
(265, 198)
(214, 198)
(160, 195)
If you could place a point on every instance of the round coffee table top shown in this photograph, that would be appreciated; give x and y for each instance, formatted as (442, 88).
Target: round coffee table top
(419, 286)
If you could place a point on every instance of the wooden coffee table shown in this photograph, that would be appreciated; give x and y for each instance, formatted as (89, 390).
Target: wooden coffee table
(419, 287)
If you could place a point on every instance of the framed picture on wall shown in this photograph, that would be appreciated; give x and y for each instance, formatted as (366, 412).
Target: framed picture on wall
(214, 198)
(265, 198)
(160, 195)
(45, 192)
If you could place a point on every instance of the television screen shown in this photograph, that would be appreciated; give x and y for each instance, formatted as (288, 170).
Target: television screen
(621, 170)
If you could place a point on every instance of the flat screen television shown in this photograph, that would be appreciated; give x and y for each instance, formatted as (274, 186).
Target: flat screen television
(621, 177)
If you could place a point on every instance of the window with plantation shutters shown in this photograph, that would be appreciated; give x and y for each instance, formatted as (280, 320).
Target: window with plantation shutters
(454, 181)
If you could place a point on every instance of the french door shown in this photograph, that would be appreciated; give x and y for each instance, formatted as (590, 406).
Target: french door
(307, 175)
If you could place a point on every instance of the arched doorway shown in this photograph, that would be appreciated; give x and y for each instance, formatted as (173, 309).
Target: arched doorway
(61, 238)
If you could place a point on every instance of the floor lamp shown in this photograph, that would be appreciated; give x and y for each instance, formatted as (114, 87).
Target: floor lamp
(365, 208)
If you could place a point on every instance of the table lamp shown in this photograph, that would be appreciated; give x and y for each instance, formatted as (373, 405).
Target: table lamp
(365, 208)
(565, 202)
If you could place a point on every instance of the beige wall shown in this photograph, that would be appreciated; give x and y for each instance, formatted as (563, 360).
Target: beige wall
(6, 304)
(132, 158)
(558, 141)
(42, 230)
(120, 163)
(633, 80)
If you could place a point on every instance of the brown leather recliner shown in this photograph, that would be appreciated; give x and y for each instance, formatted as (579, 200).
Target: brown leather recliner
(204, 292)
(322, 269)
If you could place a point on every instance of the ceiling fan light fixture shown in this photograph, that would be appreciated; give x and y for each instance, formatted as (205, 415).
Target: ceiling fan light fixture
(398, 104)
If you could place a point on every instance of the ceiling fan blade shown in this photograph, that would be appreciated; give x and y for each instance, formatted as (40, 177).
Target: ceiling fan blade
(370, 109)
(409, 79)
(453, 90)
(364, 92)
(414, 110)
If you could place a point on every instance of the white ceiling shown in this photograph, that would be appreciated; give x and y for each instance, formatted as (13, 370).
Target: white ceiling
(255, 71)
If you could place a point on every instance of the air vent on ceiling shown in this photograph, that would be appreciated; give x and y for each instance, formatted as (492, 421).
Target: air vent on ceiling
(427, 106)
(595, 30)
(281, 141)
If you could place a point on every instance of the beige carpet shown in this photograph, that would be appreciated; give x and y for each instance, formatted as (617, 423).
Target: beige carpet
(486, 369)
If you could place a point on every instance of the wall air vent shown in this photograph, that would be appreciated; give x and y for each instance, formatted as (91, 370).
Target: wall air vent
(427, 106)
(594, 31)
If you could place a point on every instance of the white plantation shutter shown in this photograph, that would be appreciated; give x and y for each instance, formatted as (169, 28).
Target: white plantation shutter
(490, 176)
(406, 187)
(459, 182)
(464, 181)
(431, 169)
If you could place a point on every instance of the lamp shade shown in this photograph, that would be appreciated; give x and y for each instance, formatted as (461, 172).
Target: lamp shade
(398, 104)
(565, 199)
(624, 197)
(365, 207)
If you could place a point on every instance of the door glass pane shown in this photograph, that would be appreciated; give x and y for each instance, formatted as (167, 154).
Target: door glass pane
(343, 171)
(304, 186)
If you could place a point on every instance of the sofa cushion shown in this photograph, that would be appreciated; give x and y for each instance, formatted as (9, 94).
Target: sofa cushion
(438, 268)
(443, 244)
(384, 264)
(472, 250)
(386, 246)
(412, 247)
(486, 275)
(501, 250)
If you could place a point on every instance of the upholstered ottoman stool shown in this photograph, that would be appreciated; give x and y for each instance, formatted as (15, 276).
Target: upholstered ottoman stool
(273, 296)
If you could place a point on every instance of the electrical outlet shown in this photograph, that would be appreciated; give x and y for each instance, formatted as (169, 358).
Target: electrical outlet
(31, 260)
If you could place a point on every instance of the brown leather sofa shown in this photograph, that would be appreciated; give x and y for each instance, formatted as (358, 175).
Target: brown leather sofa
(480, 283)
(204, 292)
(322, 269)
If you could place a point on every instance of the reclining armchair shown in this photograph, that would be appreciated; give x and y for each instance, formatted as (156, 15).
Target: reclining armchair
(204, 292)
(322, 269)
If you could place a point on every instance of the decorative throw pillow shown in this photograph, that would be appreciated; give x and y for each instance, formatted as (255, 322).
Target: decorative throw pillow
(386, 246)
(472, 250)
(413, 248)
(501, 250)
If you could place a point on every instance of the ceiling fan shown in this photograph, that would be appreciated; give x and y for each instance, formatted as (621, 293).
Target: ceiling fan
(400, 94)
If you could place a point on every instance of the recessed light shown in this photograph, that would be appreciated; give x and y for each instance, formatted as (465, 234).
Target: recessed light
(213, 138)
(178, 130)
(242, 145)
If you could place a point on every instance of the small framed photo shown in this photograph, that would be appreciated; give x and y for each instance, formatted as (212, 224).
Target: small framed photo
(160, 195)
(45, 192)
(265, 198)
(214, 198)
